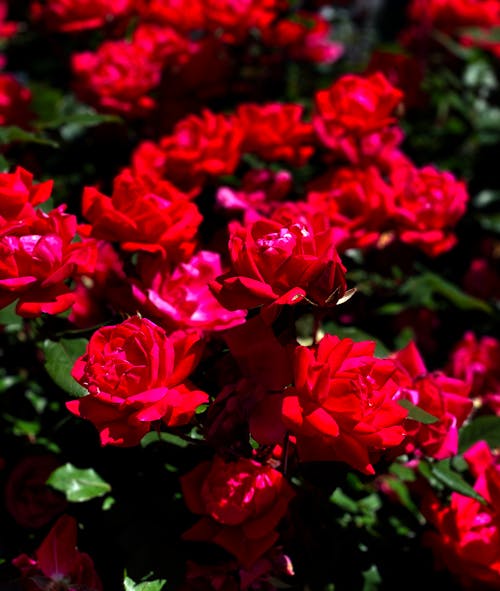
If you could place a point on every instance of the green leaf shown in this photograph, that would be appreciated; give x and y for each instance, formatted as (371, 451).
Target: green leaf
(371, 579)
(60, 358)
(9, 320)
(454, 481)
(417, 414)
(81, 119)
(482, 428)
(4, 164)
(421, 290)
(16, 134)
(489, 222)
(340, 499)
(78, 484)
(130, 585)
(154, 437)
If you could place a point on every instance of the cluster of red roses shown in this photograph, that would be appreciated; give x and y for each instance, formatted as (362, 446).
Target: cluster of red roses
(196, 47)
(209, 341)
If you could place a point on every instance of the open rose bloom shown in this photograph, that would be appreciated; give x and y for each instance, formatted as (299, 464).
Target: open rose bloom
(343, 406)
(135, 375)
(282, 264)
(241, 503)
(466, 533)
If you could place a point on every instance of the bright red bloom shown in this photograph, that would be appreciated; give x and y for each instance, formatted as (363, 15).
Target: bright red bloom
(117, 77)
(358, 203)
(466, 539)
(282, 264)
(30, 501)
(276, 131)
(144, 215)
(135, 374)
(353, 110)
(429, 203)
(181, 298)
(201, 147)
(444, 398)
(15, 102)
(18, 195)
(242, 503)
(477, 361)
(343, 405)
(58, 564)
(38, 256)
(78, 15)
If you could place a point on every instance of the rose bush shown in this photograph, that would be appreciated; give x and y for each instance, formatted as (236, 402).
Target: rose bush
(213, 178)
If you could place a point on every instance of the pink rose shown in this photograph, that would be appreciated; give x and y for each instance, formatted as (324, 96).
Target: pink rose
(181, 298)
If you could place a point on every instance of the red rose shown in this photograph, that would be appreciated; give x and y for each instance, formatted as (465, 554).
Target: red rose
(477, 361)
(242, 503)
(466, 536)
(28, 499)
(78, 15)
(117, 77)
(18, 195)
(358, 203)
(15, 102)
(282, 264)
(276, 131)
(58, 562)
(343, 406)
(135, 374)
(444, 398)
(201, 147)
(429, 203)
(450, 15)
(353, 110)
(37, 257)
(141, 214)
